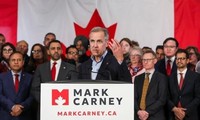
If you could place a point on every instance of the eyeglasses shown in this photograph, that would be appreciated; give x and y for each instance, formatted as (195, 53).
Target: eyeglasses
(165, 46)
(73, 53)
(181, 58)
(36, 51)
(147, 60)
(8, 50)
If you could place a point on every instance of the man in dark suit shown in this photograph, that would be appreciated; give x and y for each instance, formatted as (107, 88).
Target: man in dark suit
(168, 65)
(15, 98)
(184, 89)
(103, 65)
(54, 70)
(150, 90)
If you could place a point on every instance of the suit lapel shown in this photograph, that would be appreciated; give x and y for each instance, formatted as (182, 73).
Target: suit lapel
(175, 82)
(11, 82)
(141, 84)
(62, 71)
(48, 71)
(185, 80)
(164, 67)
(88, 69)
(174, 67)
(152, 82)
(103, 66)
(22, 81)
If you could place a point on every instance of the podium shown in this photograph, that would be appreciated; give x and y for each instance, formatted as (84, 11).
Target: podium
(87, 100)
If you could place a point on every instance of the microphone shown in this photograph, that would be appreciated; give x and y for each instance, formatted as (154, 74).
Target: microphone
(104, 74)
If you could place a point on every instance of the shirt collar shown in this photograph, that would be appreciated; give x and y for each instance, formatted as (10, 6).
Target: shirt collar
(19, 73)
(102, 57)
(58, 61)
(184, 71)
(150, 71)
(172, 59)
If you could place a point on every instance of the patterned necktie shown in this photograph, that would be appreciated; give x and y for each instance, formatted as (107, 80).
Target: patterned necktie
(144, 92)
(53, 71)
(168, 67)
(16, 82)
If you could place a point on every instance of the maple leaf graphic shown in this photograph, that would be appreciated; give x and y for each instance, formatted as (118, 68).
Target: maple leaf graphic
(60, 100)
(94, 21)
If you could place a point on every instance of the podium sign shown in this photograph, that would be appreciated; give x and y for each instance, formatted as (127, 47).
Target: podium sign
(64, 101)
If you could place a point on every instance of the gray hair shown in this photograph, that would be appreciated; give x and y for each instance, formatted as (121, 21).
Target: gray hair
(136, 49)
(104, 30)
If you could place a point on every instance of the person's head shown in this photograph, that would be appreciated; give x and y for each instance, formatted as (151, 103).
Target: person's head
(126, 45)
(182, 59)
(146, 48)
(98, 39)
(55, 50)
(159, 52)
(149, 59)
(72, 53)
(22, 46)
(135, 55)
(193, 54)
(48, 38)
(16, 61)
(2, 39)
(81, 43)
(38, 53)
(135, 43)
(170, 46)
(6, 50)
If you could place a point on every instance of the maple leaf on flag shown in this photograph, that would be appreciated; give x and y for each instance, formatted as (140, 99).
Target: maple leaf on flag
(60, 100)
(94, 21)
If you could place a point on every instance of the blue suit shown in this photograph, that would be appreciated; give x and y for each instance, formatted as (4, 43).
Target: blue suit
(9, 97)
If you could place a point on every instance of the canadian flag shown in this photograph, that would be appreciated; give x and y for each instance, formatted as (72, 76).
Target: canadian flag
(147, 21)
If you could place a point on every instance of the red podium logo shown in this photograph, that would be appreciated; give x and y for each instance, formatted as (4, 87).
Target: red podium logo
(60, 97)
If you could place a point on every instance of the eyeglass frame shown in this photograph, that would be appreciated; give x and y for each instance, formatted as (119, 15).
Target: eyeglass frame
(8, 50)
(147, 60)
(36, 51)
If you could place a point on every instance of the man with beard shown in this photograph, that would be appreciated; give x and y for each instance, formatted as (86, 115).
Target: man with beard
(54, 70)
(184, 90)
(103, 65)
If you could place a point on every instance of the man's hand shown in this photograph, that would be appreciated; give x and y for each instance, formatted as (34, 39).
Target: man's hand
(16, 110)
(179, 113)
(143, 115)
(116, 49)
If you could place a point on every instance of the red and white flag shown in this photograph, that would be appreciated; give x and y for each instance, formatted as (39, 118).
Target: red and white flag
(147, 21)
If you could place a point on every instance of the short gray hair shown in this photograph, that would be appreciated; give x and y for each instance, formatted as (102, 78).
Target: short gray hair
(98, 29)
(136, 49)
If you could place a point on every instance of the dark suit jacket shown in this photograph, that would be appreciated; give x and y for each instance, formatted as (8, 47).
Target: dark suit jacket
(8, 96)
(110, 69)
(156, 95)
(161, 67)
(43, 75)
(189, 95)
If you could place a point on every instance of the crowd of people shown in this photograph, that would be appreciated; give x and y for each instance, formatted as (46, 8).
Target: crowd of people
(166, 82)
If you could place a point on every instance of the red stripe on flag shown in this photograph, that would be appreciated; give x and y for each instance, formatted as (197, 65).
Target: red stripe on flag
(187, 25)
(8, 19)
